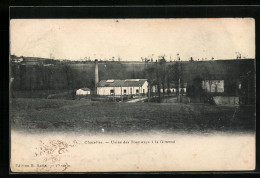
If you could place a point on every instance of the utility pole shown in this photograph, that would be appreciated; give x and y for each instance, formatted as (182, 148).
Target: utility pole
(114, 95)
(121, 94)
(158, 82)
(96, 76)
(127, 91)
(139, 92)
(149, 92)
(179, 80)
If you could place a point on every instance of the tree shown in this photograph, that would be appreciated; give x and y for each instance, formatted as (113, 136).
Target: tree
(158, 81)
(168, 79)
(238, 55)
(69, 76)
(150, 75)
(162, 74)
(176, 75)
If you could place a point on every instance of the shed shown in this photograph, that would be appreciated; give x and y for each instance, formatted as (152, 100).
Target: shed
(83, 91)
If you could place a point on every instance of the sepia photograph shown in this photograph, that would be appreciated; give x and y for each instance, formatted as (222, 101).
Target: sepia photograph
(132, 95)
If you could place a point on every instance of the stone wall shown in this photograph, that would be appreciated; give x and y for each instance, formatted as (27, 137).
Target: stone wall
(226, 100)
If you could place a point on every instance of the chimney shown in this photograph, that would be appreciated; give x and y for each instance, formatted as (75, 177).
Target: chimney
(96, 75)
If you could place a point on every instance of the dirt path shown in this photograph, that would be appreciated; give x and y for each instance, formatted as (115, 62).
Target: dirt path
(137, 100)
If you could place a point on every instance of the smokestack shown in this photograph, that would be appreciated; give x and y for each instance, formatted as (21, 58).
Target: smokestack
(96, 75)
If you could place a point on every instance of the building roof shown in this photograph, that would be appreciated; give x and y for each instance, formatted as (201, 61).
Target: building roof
(85, 89)
(122, 83)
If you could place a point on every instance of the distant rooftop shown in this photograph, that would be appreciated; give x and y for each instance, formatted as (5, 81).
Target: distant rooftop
(110, 81)
(85, 89)
(122, 83)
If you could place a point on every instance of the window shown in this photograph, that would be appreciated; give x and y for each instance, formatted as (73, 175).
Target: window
(124, 91)
(143, 90)
(137, 91)
(111, 92)
(212, 86)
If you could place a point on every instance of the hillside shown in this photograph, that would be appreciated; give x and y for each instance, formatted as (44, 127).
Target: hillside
(76, 75)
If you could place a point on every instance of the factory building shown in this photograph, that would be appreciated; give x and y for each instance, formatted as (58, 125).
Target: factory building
(122, 87)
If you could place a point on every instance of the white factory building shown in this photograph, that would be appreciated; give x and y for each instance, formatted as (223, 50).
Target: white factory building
(83, 92)
(122, 87)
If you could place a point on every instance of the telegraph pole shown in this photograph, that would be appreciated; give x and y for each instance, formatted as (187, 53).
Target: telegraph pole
(158, 82)
(121, 94)
(139, 92)
(96, 76)
(114, 95)
(149, 92)
(179, 80)
(127, 91)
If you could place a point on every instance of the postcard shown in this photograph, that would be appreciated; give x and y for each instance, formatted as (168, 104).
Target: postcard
(132, 95)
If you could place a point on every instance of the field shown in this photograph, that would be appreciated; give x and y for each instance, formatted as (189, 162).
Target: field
(48, 115)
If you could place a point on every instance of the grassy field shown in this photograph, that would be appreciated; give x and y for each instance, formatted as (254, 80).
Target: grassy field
(43, 115)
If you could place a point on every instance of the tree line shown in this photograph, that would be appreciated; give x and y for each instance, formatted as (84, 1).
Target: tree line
(161, 74)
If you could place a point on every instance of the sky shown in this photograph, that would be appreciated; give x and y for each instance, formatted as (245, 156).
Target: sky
(131, 39)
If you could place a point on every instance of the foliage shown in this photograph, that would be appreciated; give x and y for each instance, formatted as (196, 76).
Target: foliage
(68, 76)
